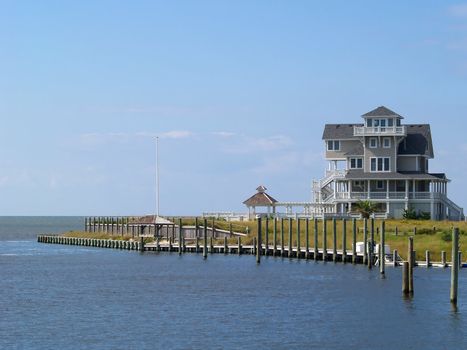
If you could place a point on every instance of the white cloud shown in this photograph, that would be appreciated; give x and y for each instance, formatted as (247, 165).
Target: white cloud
(223, 133)
(459, 10)
(176, 134)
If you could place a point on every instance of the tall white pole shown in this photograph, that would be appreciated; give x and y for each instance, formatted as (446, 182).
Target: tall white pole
(157, 178)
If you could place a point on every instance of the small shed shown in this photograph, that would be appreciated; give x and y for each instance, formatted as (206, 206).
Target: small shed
(260, 200)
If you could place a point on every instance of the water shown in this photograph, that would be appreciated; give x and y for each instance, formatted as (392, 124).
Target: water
(66, 297)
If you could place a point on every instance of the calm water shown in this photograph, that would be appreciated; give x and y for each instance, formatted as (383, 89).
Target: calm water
(64, 297)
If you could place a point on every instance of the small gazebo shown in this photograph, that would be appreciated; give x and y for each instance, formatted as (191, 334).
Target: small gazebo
(260, 200)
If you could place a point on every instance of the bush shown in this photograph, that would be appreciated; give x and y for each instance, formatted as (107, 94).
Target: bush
(424, 215)
(410, 214)
(425, 231)
(446, 236)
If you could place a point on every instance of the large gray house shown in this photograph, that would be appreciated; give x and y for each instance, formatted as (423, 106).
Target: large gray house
(386, 162)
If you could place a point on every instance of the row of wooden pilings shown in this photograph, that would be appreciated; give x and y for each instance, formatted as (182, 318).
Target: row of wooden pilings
(92, 242)
(408, 266)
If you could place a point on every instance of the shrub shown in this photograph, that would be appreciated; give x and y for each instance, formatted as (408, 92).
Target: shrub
(446, 236)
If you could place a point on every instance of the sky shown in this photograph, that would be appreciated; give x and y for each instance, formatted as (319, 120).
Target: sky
(237, 91)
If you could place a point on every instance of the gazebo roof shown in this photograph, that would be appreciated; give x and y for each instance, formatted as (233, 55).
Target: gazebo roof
(260, 199)
(149, 220)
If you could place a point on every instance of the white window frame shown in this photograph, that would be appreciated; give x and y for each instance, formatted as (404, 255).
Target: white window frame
(387, 139)
(334, 143)
(356, 159)
(376, 142)
(379, 163)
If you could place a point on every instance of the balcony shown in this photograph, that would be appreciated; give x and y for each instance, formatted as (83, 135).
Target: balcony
(380, 131)
(390, 195)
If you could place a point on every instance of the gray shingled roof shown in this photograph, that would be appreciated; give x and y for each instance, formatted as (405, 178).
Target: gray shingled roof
(339, 131)
(357, 151)
(403, 175)
(260, 199)
(418, 141)
(381, 112)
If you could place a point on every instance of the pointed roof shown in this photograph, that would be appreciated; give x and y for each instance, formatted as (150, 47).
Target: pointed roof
(382, 111)
(260, 199)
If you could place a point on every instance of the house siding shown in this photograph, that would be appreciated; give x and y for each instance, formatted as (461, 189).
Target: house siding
(346, 146)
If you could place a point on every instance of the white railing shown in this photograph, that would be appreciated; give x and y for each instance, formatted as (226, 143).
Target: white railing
(380, 130)
(390, 195)
(335, 173)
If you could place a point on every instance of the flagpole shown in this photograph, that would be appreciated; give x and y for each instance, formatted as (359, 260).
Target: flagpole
(157, 179)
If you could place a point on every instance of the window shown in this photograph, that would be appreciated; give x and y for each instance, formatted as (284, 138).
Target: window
(380, 185)
(386, 142)
(369, 122)
(373, 142)
(356, 163)
(380, 164)
(334, 145)
(390, 122)
(359, 184)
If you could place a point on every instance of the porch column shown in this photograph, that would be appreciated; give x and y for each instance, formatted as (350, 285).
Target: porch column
(350, 189)
(406, 194)
(368, 189)
(387, 189)
(413, 189)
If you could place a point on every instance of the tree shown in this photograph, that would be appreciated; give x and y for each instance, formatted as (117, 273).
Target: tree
(366, 208)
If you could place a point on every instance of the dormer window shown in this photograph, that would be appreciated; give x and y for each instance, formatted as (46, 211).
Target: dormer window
(334, 145)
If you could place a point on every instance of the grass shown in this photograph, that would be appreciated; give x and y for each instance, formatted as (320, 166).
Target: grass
(431, 235)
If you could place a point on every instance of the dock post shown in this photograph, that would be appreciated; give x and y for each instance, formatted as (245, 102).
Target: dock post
(455, 266)
(397, 231)
(254, 245)
(170, 244)
(85, 224)
(298, 239)
(427, 258)
(211, 245)
(226, 248)
(382, 255)
(394, 258)
(315, 239)
(180, 243)
(196, 229)
(158, 246)
(141, 244)
(344, 241)
(290, 238)
(405, 278)
(371, 245)
(354, 241)
(410, 258)
(205, 239)
(197, 244)
(266, 237)
(258, 250)
(443, 259)
(325, 239)
(365, 241)
(274, 239)
(334, 240)
(307, 239)
(239, 245)
(282, 237)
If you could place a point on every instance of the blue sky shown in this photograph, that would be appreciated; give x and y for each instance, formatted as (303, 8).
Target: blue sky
(238, 91)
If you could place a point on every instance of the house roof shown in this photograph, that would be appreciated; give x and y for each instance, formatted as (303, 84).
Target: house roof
(418, 141)
(402, 175)
(382, 111)
(339, 131)
(260, 199)
(357, 151)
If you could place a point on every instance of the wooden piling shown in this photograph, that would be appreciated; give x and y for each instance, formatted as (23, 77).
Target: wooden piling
(307, 239)
(258, 250)
(443, 259)
(410, 258)
(365, 241)
(211, 245)
(354, 241)
(372, 244)
(325, 239)
(290, 238)
(266, 236)
(141, 244)
(254, 245)
(180, 242)
(382, 262)
(315, 239)
(334, 240)
(396, 231)
(274, 239)
(226, 248)
(394, 257)
(239, 245)
(344, 241)
(205, 239)
(282, 237)
(455, 266)
(298, 239)
(427, 259)
(405, 277)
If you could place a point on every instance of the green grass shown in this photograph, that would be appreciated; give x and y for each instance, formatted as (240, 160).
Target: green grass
(431, 235)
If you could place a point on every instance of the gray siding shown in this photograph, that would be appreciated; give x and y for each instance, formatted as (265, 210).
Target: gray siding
(379, 152)
(346, 146)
